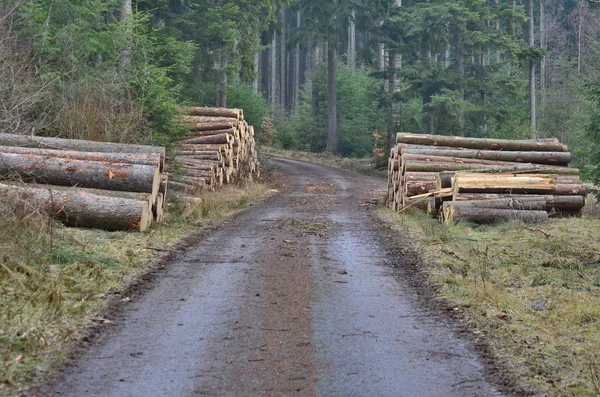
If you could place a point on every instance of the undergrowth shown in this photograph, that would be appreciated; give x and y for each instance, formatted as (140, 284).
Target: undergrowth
(55, 280)
(534, 297)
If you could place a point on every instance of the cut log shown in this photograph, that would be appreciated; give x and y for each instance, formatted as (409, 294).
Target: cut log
(212, 112)
(415, 188)
(209, 133)
(517, 184)
(214, 156)
(133, 158)
(212, 126)
(211, 139)
(544, 145)
(556, 202)
(79, 208)
(78, 145)
(551, 158)
(92, 174)
(490, 215)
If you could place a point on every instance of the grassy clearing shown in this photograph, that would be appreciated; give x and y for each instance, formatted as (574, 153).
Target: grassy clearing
(361, 165)
(56, 280)
(536, 299)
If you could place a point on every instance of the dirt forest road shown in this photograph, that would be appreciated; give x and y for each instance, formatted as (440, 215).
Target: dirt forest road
(295, 297)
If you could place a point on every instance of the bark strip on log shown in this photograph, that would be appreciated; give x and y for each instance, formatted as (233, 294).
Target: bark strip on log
(77, 207)
(92, 174)
(212, 112)
(490, 215)
(541, 145)
(551, 158)
(78, 145)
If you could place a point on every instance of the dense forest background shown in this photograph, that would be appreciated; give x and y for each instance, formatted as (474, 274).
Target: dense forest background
(340, 75)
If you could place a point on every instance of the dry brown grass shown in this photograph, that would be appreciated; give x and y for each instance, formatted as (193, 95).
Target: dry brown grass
(499, 275)
(55, 280)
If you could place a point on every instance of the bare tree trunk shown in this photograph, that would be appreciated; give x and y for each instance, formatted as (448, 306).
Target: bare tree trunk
(282, 65)
(543, 44)
(460, 71)
(532, 104)
(256, 73)
(125, 53)
(315, 87)
(352, 40)
(297, 64)
(273, 70)
(332, 131)
(579, 31)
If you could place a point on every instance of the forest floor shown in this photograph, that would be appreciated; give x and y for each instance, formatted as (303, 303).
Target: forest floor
(57, 282)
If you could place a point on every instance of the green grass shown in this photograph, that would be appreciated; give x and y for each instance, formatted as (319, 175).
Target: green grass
(496, 275)
(55, 280)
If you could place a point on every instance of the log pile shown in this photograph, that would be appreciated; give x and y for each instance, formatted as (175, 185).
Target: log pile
(90, 184)
(218, 149)
(483, 180)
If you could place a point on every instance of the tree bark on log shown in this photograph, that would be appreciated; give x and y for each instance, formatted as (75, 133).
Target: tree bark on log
(212, 126)
(542, 145)
(79, 208)
(212, 112)
(78, 145)
(212, 139)
(197, 134)
(133, 158)
(556, 202)
(491, 215)
(551, 158)
(92, 174)
(427, 166)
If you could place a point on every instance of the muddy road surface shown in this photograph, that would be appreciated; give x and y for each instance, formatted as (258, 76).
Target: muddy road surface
(295, 297)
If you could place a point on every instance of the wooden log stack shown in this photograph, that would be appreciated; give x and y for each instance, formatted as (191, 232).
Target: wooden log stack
(218, 149)
(483, 180)
(100, 185)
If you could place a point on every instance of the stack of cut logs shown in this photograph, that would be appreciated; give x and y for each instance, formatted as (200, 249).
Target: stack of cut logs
(219, 149)
(99, 185)
(483, 180)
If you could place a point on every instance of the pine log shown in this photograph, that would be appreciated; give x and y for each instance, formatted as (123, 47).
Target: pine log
(545, 145)
(92, 174)
(193, 120)
(212, 126)
(77, 207)
(212, 112)
(551, 158)
(133, 158)
(78, 145)
(530, 203)
(215, 156)
(557, 202)
(415, 188)
(490, 215)
(427, 166)
(421, 203)
(521, 184)
(197, 134)
(212, 139)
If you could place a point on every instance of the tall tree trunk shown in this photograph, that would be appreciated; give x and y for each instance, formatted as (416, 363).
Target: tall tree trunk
(543, 44)
(125, 53)
(273, 71)
(297, 64)
(315, 87)
(352, 40)
(579, 33)
(460, 71)
(282, 65)
(332, 130)
(256, 72)
(532, 104)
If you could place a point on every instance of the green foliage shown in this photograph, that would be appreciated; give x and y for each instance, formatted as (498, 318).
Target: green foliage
(592, 169)
(359, 114)
(254, 105)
